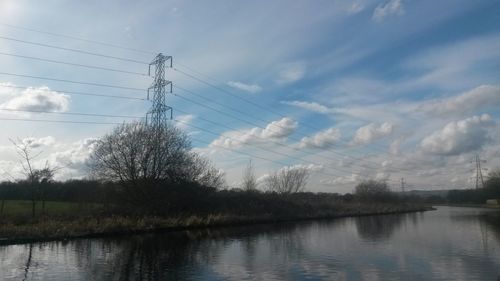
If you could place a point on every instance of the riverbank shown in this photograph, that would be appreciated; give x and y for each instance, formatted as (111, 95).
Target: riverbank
(48, 229)
(471, 205)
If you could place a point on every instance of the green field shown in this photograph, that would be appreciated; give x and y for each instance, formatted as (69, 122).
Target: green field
(23, 208)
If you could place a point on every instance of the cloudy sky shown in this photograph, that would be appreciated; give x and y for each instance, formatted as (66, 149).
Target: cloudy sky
(351, 90)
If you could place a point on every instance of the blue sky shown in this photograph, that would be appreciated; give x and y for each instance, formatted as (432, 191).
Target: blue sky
(348, 89)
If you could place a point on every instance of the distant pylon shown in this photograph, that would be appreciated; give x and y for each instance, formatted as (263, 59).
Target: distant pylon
(157, 115)
(403, 185)
(479, 171)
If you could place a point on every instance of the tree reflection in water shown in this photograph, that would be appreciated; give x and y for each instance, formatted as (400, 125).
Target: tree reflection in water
(184, 255)
(28, 262)
(147, 257)
(379, 228)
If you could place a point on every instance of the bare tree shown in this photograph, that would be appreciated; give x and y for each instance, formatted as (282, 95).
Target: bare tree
(249, 180)
(287, 180)
(202, 171)
(143, 158)
(36, 178)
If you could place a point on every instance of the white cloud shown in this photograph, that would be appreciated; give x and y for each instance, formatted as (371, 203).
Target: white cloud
(275, 130)
(323, 139)
(371, 132)
(251, 88)
(36, 143)
(37, 99)
(184, 121)
(391, 7)
(74, 159)
(468, 102)
(311, 106)
(291, 72)
(70, 159)
(459, 136)
(280, 129)
(6, 89)
(309, 167)
(349, 179)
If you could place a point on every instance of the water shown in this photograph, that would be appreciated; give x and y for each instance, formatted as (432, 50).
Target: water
(447, 244)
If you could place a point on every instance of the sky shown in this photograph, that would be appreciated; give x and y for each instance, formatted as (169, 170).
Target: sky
(350, 90)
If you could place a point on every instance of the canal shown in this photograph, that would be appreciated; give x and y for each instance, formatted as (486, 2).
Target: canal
(450, 243)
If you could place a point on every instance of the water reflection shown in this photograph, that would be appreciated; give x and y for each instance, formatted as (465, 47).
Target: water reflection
(149, 257)
(491, 221)
(377, 228)
(28, 262)
(445, 245)
(183, 256)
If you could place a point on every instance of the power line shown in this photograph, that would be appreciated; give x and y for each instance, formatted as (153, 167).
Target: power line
(71, 81)
(128, 116)
(95, 122)
(76, 93)
(116, 46)
(72, 50)
(229, 93)
(77, 38)
(198, 72)
(257, 125)
(274, 142)
(100, 43)
(277, 125)
(69, 113)
(141, 89)
(262, 148)
(278, 143)
(258, 157)
(59, 121)
(268, 109)
(74, 64)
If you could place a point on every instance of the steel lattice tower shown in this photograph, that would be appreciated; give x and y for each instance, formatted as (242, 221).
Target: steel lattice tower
(158, 116)
(479, 171)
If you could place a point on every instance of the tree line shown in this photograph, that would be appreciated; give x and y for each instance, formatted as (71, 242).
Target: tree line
(140, 168)
(490, 190)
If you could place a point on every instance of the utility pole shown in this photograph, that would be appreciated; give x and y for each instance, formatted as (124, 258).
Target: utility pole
(479, 171)
(157, 115)
(403, 185)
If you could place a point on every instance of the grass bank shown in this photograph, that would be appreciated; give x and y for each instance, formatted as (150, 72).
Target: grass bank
(22, 208)
(60, 226)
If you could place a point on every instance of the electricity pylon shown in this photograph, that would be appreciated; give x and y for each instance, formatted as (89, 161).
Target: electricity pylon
(158, 116)
(479, 171)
